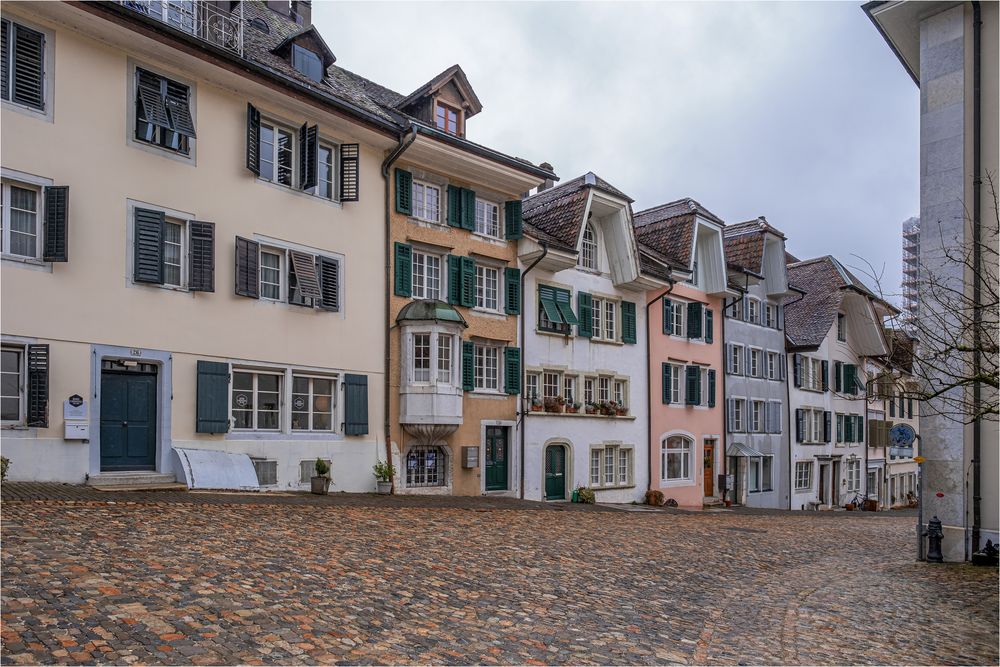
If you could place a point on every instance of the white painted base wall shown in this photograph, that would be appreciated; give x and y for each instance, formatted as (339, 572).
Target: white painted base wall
(44, 459)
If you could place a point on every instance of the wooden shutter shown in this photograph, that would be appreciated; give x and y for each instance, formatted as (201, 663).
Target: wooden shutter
(404, 192)
(454, 206)
(329, 283)
(307, 282)
(797, 370)
(355, 404)
(783, 363)
(827, 417)
(253, 139)
(212, 412)
(709, 325)
(512, 302)
(731, 415)
(308, 156)
(468, 283)
(512, 369)
(28, 67)
(201, 256)
(37, 390)
(454, 280)
(585, 314)
(350, 186)
(850, 379)
(147, 257)
(563, 300)
(838, 376)
(5, 31)
(711, 387)
(402, 283)
(665, 389)
(56, 224)
(247, 268)
(468, 209)
(694, 320)
(513, 220)
(825, 370)
(692, 392)
(468, 365)
(668, 316)
(178, 105)
(800, 424)
(151, 100)
(848, 428)
(628, 322)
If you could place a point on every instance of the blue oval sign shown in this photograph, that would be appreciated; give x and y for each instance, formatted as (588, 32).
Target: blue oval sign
(902, 435)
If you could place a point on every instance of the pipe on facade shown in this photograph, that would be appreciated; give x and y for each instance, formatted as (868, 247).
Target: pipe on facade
(788, 409)
(649, 388)
(405, 140)
(725, 366)
(524, 365)
(977, 312)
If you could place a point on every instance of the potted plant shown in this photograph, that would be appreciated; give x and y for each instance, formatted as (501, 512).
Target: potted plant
(585, 495)
(536, 403)
(573, 408)
(321, 480)
(553, 404)
(620, 410)
(384, 472)
(655, 497)
(591, 408)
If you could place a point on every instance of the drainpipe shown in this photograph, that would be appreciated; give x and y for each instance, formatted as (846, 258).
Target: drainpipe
(524, 362)
(649, 389)
(725, 366)
(788, 410)
(405, 140)
(977, 309)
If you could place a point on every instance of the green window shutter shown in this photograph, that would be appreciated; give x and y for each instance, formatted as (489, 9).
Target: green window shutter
(838, 376)
(547, 297)
(355, 404)
(512, 369)
(37, 386)
(709, 333)
(668, 316)
(56, 224)
(454, 280)
(308, 156)
(665, 371)
(711, 388)
(512, 220)
(253, 139)
(694, 319)
(850, 379)
(628, 322)
(468, 282)
(692, 394)
(848, 428)
(468, 365)
(512, 303)
(825, 369)
(564, 306)
(212, 413)
(403, 278)
(468, 209)
(201, 256)
(584, 308)
(247, 268)
(454, 206)
(147, 259)
(350, 187)
(404, 192)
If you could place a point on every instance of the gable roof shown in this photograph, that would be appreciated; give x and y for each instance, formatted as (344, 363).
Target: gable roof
(823, 280)
(744, 244)
(453, 73)
(555, 215)
(673, 209)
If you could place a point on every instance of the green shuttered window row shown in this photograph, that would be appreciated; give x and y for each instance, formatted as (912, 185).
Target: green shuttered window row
(461, 280)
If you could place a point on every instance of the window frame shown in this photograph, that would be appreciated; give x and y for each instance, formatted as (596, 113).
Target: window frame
(485, 228)
(479, 352)
(602, 325)
(841, 328)
(22, 377)
(773, 366)
(183, 246)
(444, 106)
(807, 467)
(609, 457)
(686, 458)
(440, 467)
(758, 416)
(420, 212)
(186, 144)
(589, 249)
(269, 123)
(737, 353)
(753, 310)
(420, 290)
(48, 70)
(311, 377)
(282, 283)
(756, 366)
(334, 165)
(482, 301)
(676, 395)
(739, 414)
(5, 203)
(255, 373)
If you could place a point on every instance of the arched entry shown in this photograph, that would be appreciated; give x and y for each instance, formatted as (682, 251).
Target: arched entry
(555, 472)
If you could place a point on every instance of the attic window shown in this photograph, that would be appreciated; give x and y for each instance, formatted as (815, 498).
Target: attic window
(307, 62)
(446, 118)
(260, 24)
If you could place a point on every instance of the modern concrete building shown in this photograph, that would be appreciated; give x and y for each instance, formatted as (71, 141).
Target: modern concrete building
(951, 50)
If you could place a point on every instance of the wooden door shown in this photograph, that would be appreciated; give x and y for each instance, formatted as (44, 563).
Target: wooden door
(709, 468)
(128, 421)
(555, 472)
(496, 458)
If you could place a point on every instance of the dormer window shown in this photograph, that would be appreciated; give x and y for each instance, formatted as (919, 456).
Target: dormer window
(446, 118)
(307, 62)
(588, 248)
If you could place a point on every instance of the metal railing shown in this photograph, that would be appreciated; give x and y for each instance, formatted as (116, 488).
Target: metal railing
(203, 20)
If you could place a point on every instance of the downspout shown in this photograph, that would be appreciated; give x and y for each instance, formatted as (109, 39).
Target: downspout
(649, 388)
(977, 312)
(404, 142)
(725, 372)
(788, 408)
(524, 362)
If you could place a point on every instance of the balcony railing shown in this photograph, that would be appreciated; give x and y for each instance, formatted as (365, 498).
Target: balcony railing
(204, 20)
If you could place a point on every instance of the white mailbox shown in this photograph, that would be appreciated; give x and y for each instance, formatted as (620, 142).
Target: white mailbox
(77, 431)
(75, 413)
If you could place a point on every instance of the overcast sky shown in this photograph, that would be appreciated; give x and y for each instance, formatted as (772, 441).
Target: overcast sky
(797, 111)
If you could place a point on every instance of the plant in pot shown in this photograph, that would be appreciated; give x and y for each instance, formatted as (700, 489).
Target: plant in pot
(321, 480)
(655, 497)
(591, 408)
(620, 410)
(536, 403)
(585, 495)
(553, 403)
(573, 408)
(384, 472)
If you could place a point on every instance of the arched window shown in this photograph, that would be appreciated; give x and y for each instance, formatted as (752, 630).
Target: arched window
(675, 458)
(425, 466)
(588, 249)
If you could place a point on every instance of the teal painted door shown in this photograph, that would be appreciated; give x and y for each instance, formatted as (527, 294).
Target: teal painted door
(128, 421)
(496, 458)
(555, 472)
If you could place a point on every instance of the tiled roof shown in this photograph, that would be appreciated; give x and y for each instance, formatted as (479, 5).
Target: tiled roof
(555, 214)
(744, 243)
(653, 263)
(823, 279)
(672, 237)
(673, 209)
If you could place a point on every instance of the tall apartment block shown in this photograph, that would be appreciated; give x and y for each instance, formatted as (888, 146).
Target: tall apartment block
(911, 263)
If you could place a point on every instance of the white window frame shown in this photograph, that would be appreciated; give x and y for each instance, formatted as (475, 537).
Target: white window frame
(758, 416)
(256, 373)
(551, 384)
(444, 360)
(21, 352)
(737, 353)
(678, 319)
(482, 293)
(480, 368)
(803, 482)
(274, 126)
(422, 372)
(773, 362)
(182, 267)
(485, 227)
(310, 407)
(604, 388)
(753, 310)
(620, 391)
(756, 357)
(739, 414)
(334, 171)
(532, 383)
(282, 283)
(420, 289)
(676, 373)
(686, 458)
(39, 191)
(771, 315)
(852, 470)
(420, 211)
(588, 248)
(589, 390)
(608, 458)
(606, 329)
(569, 389)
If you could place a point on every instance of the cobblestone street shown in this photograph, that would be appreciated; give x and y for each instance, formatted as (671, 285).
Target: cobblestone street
(162, 580)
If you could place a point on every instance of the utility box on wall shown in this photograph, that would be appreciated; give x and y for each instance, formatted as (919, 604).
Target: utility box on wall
(470, 457)
(76, 425)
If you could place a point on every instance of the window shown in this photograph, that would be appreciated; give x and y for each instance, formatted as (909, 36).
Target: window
(813, 426)
(624, 466)
(604, 389)
(11, 385)
(771, 315)
(276, 154)
(753, 310)
(173, 253)
(588, 390)
(555, 312)
(588, 248)
(308, 63)
(487, 218)
(757, 416)
(753, 474)
(676, 375)
(611, 466)
(487, 287)
(550, 385)
(426, 202)
(431, 351)
(773, 368)
(270, 274)
(444, 358)
(569, 390)
(256, 401)
(755, 368)
(312, 403)
(422, 357)
(766, 473)
(532, 385)
(487, 368)
(803, 475)
(446, 118)
(739, 414)
(595, 467)
(841, 328)
(693, 280)
(675, 458)
(736, 359)
(605, 313)
(678, 315)
(812, 374)
(163, 112)
(21, 231)
(325, 176)
(426, 276)
(621, 393)
(853, 471)
(425, 466)
(23, 65)
(282, 274)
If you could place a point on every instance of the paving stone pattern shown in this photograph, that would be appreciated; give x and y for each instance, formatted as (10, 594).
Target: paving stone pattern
(386, 581)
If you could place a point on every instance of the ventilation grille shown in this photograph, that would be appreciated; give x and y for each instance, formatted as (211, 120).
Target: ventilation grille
(307, 470)
(267, 471)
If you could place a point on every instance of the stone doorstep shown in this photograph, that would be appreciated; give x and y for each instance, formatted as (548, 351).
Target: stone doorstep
(119, 488)
(134, 480)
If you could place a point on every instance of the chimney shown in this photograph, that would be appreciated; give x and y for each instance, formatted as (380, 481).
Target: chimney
(548, 181)
(302, 12)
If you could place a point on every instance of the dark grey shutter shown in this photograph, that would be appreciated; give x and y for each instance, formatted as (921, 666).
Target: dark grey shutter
(454, 206)
(56, 224)
(694, 319)
(247, 268)
(468, 209)
(308, 156)
(628, 322)
(468, 282)
(709, 324)
(797, 370)
(5, 30)
(692, 393)
(355, 404)
(665, 389)
(147, 259)
(668, 315)
(512, 302)
(454, 280)
(178, 105)
(349, 172)
(468, 365)
(253, 139)
(731, 415)
(827, 417)
(404, 192)
(512, 370)
(825, 370)
(149, 92)
(585, 314)
(212, 412)
(838, 376)
(307, 282)
(201, 262)
(329, 283)
(28, 67)
(512, 220)
(37, 390)
(711, 388)
(403, 277)
(800, 424)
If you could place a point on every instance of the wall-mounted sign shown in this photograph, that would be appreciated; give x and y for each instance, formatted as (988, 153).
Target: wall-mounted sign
(902, 435)
(74, 407)
(135, 352)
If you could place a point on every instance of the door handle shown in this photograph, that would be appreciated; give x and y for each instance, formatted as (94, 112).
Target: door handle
(124, 423)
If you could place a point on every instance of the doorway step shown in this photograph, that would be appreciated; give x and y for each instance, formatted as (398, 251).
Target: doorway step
(135, 480)
(712, 502)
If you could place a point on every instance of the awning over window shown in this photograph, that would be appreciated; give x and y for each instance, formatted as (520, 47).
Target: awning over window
(739, 449)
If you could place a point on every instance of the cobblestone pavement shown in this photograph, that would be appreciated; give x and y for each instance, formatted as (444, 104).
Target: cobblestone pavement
(385, 581)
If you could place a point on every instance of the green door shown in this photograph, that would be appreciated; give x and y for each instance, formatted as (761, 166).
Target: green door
(128, 421)
(555, 472)
(496, 458)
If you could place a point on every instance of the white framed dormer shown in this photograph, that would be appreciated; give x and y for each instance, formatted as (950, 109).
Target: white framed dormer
(610, 219)
(708, 259)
